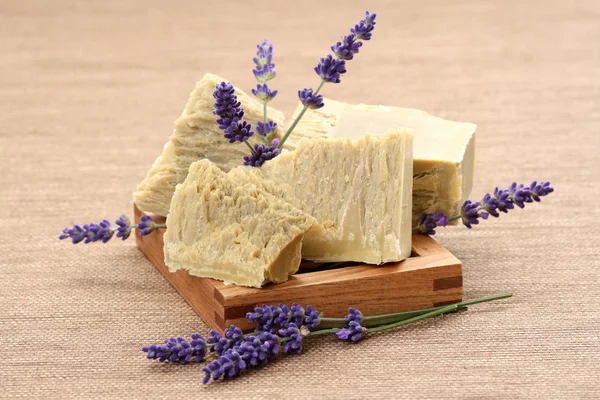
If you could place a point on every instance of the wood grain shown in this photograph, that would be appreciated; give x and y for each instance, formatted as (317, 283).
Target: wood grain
(431, 276)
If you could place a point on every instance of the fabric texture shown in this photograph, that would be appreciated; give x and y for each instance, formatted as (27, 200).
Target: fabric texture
(88, 95)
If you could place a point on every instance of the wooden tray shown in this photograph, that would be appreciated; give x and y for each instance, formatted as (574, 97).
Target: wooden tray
(431, 277)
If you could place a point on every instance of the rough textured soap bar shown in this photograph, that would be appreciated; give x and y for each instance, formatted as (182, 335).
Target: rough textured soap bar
(232, 231)
(196, 136)
(444, 151)
(359, 190)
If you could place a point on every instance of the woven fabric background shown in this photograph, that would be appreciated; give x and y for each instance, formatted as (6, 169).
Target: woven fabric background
(88, 93)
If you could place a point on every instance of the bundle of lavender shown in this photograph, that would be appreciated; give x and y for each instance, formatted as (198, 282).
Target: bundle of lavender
(281, 330)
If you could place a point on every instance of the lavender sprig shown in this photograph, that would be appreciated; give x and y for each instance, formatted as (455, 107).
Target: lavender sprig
(177, 350)
(265, 71)
(331, 69)
(500, 200)
(103, 231)
(241, 352)
(262, 153)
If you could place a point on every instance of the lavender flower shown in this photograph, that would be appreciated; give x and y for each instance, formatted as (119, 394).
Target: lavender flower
(219, 344)
(346, 49)
(77, 234)
(238, 132)
(265, 69)
(124, 227)
(177, 350)
(309, 99)
(297, 314)
(352, 333)
(353, 315)
(470, 213)
(518, 194)
(147, 226)
(331, 69)
(227, 106)
(502, 203)
(427, 223)
(252, 351)
(265, 129)
(263, 316)
(363, 29)
(291, 338)
(312, 318)
(264, 93)
(262, 153)
(540, 190)
(281, 315)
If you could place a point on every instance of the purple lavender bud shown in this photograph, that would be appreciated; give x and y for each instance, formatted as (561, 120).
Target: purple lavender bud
(307, 98)
(427, 223)
(291, 339)
(470, 213)
(98, 232)
(266, 129)
(346, 49)
(540, 190)
(265, 69)
(227, 106)
(312, 318)
(363, 29)
(297, 314)
(489, 204)
(252, 351)
(124, 227)
(264, 73)
(218, 343)
(263, 153)
(503, 202)
(146, 226)
(281, 315)
(238, 132)
(518, 194)
(76, 234)
(352, 333)
(353, 315)
(177, 350)
(264, 93)
(330, 69)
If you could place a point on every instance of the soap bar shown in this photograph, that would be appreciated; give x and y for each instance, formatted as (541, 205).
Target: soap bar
(197, 136)
(234, 231)
(444, 151)
(359, 190)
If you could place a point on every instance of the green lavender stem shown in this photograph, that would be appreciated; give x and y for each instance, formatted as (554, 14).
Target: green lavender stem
(267, 138)
(410, 314)
(440, 311)
(250, 147)
(291, 128)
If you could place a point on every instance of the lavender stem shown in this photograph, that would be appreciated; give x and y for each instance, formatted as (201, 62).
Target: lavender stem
(291, 128)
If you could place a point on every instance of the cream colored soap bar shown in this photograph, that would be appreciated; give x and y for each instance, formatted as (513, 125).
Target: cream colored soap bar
(196, 136)
(232, 230)
(444, 151)
(359, 190)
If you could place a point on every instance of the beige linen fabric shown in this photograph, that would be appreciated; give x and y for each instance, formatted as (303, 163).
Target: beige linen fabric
(88, 93)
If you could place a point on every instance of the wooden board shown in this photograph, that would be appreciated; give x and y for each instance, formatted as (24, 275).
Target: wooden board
(432, 276)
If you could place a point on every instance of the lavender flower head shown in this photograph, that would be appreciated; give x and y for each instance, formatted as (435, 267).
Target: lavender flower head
(124, 227)
(309, 99)
(346, 49)
(363, 29)
(264, 93)
(427, 223)
(177, 350)
(262, 153)
(147, 225)
(219, 344)
(291, 338)
(352, 333)
(252, 351)
(265, 69)
(266, 129)
(227, 106)
(470, 213)
(353, 315)
(312, 318)
(238, 132)
(89, 233)
(331, 69)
